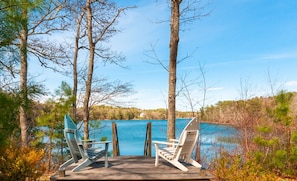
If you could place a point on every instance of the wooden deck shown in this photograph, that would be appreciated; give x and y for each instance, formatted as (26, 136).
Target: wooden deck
(132, 168)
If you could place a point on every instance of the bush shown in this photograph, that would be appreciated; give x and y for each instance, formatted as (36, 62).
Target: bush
(236, 167)
(21, 164)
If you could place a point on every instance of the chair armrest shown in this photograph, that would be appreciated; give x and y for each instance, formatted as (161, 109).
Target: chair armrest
(97, 142)
(88, 141)
(174, 140)
(101, 142)
(163, 143)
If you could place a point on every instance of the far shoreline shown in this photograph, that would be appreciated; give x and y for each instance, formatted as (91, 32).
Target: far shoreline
(207, 122)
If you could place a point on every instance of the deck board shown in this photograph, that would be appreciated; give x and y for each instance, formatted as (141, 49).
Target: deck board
(132, 168)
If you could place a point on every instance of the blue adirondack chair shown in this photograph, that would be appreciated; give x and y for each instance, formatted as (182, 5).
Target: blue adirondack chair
(77, 147)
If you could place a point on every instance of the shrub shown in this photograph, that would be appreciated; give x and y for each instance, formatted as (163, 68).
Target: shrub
(21, 164)
(235, 167)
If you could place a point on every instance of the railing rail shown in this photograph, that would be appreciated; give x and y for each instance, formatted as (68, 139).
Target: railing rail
(115, 141)
(148, 140)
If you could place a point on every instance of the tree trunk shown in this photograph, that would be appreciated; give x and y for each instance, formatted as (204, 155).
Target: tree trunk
(75, 82)
(90, 70)
(23, 80)
(174, 38)
(50, 148)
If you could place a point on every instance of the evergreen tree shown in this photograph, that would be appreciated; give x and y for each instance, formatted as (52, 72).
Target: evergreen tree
(51, 122)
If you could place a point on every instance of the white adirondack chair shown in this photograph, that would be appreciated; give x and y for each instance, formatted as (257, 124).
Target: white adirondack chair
(76, 147)
(181, 149)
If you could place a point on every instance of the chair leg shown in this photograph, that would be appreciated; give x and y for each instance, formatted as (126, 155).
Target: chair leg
(157, 154)
(106, 160)
(67, 163)
(106, 155)
(84, 164)
(156, 160)
(193, 162)
(179, 165)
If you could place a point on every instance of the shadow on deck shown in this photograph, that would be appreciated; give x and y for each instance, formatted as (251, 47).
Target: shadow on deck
(132, 168)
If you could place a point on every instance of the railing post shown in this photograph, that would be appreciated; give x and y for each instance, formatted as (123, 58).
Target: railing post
(115, 141)
(148, 140)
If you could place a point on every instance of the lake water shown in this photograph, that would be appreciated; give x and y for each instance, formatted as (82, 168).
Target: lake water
(131, 135)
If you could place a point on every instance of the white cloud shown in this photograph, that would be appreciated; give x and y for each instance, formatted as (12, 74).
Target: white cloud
(279, 56)
(215, 88)
(291, 83)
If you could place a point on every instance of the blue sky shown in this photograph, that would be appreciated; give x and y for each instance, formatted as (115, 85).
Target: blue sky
(238, 43)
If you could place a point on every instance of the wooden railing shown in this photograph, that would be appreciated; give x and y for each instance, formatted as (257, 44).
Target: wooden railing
(148, 140)
(115, 140)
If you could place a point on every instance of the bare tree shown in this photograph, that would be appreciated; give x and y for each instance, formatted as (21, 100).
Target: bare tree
(274, 85)
(190, 88)
(101, 17)
(190, 91)
(247, 113)
(181, 12)
(94, 24)
(77, 11)
(174, 38)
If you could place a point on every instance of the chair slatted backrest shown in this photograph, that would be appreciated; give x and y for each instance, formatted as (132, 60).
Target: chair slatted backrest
(69, 124)
(192, 125)
(72, 137)
(188, 139)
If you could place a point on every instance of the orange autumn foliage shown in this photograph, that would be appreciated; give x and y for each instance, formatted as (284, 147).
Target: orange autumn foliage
(21, 163)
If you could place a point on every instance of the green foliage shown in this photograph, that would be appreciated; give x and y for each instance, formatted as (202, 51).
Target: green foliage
(279, 159)
(8, 116)
(8, 18)
(277, 142)
(261, 142)
(294, 137)
(264, 129)
(237, 168)
(273, 151)
(50, 122)
(21, 163)
(104, 138)
(281, 112)
(14, 16)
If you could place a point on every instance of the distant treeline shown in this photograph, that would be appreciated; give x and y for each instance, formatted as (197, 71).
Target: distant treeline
(236, 112)
(224, 112)
(119, 113)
